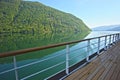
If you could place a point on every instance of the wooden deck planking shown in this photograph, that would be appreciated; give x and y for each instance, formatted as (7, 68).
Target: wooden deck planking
(105, 67)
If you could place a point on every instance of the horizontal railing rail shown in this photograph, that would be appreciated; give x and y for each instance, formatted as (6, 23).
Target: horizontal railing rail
(90, 46)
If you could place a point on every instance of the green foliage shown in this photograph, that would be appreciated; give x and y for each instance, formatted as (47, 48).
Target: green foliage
(25, 24)
(18, 16)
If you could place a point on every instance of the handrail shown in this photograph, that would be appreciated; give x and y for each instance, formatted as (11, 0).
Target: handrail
(18, 52)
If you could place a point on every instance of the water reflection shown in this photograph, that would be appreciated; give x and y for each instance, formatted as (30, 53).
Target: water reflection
(76, 55)
(12, 42)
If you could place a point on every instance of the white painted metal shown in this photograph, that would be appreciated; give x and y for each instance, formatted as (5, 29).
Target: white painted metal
(98, 46)
(15, 67)
(88, 51)
(67, 59)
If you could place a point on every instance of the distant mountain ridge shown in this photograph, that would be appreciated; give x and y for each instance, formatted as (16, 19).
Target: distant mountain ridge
(18, 16)
(107, 28)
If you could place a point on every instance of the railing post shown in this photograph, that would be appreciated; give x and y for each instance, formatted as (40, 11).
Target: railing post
(119, 36)
(67, 59)
(109, 41)
(88, 51)
(113, 39)
(15, 67)
(105, 48)
(116, 37)
(98, 46)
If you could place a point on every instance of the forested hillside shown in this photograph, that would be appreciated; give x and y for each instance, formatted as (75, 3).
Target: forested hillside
(17, 16)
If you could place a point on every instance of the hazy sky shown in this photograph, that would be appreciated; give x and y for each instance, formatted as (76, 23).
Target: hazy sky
(93, 12)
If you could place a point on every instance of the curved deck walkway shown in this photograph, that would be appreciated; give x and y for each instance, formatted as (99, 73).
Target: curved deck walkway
(105, 67)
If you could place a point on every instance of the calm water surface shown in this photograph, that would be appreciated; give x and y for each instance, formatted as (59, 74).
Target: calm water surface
(75, 56)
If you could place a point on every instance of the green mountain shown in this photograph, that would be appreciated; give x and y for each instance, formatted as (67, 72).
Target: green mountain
(17, 16)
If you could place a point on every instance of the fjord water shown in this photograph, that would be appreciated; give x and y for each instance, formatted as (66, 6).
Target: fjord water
(29, 41)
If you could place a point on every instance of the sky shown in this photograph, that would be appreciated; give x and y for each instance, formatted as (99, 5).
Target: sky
(94, 13)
